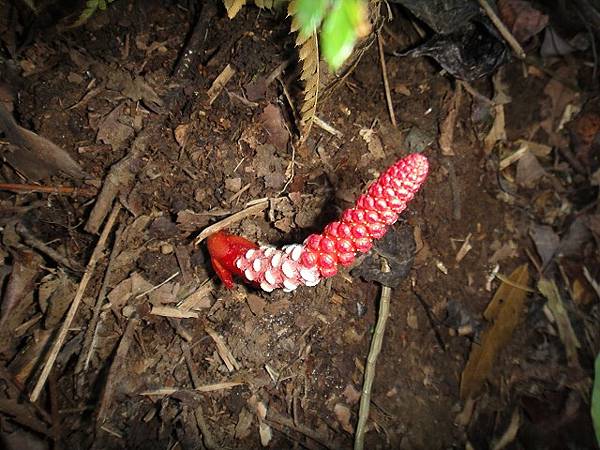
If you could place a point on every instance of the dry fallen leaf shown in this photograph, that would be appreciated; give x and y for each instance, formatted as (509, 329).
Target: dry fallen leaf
(501, 98)
(522, 19)
(269, 166)
(446, 139)
(181, 133)
(112, 131)
(504, 312)
(242, 428)
(373, 143)
(546, 241)
(529, 170)
(565, 329)
(273, 123)
(343, 415)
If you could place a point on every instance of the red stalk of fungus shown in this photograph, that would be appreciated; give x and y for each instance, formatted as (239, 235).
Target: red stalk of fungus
(321, 254)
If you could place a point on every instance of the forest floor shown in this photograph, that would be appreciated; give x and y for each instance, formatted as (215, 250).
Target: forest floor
(160, 355)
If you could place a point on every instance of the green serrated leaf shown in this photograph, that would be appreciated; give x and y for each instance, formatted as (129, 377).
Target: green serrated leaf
(310, 14)
(596, 399)
(338, 34)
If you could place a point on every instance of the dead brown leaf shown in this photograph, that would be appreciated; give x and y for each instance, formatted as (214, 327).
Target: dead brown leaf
(504, 312)
(576, 237)
(181, 134)
(269, 166)
(549, 290)
(112, 130)
(55, 295)
(446, 139)
(189, 221)
(36, 157)
(25, 268)
(373, 141)
(242, 428)
(272, 121)
(529, 170)
(546, 241)
(343, 415)
(559, 97)
(522, 19)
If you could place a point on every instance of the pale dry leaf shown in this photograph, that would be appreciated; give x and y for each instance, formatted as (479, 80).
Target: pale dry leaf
(373, 142)
(266, 434)
(256, 304)
(351, 394)
(343, 415)
(498, 130)
(233, 184)
(181, 134)
(505, 311)
(242, 428)
(261, 410)
(233, 7)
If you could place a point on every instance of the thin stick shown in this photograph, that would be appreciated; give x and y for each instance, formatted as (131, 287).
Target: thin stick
(514, 44)
(386, 84)
(159, 285)
(365, 398)
(87, 348)
(62, 334)
(65, 190)
(254, 209)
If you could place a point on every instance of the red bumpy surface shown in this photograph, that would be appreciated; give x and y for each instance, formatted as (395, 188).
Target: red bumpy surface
(321, 254)
(370, 218)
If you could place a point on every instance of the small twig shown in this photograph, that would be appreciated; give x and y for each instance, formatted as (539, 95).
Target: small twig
(87, 348)
(376, 343)
(87, 276)
(207, 437)
(514, 44)
(386, 84)
(326, 127)
(223, 350)
(249, 211)
(476, 94)
(35, 243)
(153, 288)
(217, 86)
(85, 191)
(200, 389)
